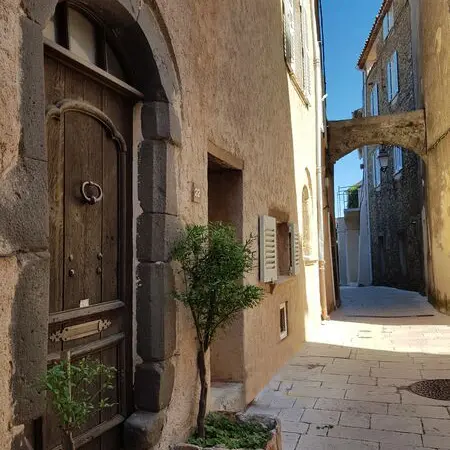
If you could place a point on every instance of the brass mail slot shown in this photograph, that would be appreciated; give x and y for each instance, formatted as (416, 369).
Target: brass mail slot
(80, 331)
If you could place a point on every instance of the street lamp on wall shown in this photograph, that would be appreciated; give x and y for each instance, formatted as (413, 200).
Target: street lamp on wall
(383, 158)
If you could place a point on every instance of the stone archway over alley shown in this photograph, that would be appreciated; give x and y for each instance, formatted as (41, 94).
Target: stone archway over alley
(348, 386)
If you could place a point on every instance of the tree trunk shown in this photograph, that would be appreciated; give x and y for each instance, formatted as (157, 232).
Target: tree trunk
(68, 442)
(203, 394)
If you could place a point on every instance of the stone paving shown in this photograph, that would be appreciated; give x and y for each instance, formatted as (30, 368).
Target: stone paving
(346, 389)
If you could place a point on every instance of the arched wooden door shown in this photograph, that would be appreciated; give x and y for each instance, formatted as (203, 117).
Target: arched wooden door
(89, 130)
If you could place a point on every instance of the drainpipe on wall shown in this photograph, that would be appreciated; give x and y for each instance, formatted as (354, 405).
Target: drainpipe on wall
(319, 175)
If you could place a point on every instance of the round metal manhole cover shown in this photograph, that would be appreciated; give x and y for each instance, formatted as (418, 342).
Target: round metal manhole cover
(437, 389)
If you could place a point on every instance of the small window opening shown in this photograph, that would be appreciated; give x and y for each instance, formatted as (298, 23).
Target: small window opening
(283, 320)
(283, 249)
(84, 37)
(81, 36)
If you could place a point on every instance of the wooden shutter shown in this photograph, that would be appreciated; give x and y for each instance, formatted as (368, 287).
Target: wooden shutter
(385, 26)
(288, 18)
(395, 76)
(306, 60)
(294, 242)
(374, 100)
(389, 81)
(268, 264)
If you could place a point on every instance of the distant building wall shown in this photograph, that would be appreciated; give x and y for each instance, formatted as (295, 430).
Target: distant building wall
(395, 205)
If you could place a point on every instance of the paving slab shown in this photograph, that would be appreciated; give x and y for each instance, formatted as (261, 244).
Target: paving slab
(436, 412)
(321, 417)
(436, 441)
(299, 391)
(356, 379)
(388, 437)
(290, 440)
(310, 442)
(436, 426)
(351, 405)
(396, 423)
(354, 419)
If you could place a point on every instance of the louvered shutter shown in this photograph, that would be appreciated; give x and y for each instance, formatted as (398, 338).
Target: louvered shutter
(389, 82)
(306, 61)
(294, 242)
(395, 74)
(268, 249)
(288, 17)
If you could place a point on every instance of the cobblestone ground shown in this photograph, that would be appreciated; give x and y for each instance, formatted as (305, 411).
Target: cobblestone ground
(347, 387)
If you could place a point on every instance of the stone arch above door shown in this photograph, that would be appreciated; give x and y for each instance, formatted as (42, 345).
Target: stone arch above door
(406, 130)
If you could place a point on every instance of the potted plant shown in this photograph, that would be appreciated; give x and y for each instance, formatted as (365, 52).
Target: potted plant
(72, 396)
(213, 264)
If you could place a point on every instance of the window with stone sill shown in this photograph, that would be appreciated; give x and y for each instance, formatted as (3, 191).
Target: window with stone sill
(76, 31)
(296, 44)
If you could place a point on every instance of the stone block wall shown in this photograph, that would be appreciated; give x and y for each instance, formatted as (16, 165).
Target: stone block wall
(395, 206)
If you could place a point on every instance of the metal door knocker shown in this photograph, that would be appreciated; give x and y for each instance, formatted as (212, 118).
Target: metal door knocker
(87, 191)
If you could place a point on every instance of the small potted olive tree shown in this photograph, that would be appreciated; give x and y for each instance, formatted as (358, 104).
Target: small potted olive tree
(213, 264)
(75, 393)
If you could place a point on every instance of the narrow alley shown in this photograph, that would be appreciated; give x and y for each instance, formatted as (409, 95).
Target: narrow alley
(348, 387)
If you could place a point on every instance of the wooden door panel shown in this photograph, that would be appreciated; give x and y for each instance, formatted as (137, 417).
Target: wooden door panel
(110, 220)
(89, 239)
(83, 227)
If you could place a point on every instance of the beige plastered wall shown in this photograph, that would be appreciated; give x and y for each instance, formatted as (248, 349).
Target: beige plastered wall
(10, 97)
(236, 94)
(435, 34)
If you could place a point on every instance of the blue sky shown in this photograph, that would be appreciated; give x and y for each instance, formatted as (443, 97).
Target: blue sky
(347, 24)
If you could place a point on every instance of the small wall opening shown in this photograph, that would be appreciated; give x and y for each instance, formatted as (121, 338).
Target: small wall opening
(225, 205)
(283, 249)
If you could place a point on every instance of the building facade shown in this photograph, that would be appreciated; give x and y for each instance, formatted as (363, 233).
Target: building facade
(122, 121)
(395, 193)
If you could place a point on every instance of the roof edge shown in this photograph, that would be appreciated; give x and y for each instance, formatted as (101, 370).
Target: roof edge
(373, 32)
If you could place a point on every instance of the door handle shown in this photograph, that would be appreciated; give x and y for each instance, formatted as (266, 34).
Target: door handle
(89, 197)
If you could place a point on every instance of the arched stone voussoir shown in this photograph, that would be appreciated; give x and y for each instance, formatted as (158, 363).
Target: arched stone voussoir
(406, 130)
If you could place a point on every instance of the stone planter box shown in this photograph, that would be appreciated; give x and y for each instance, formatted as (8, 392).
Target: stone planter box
(269, 422)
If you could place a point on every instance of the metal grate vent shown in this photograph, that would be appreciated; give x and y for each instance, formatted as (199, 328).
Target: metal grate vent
(437, 389)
